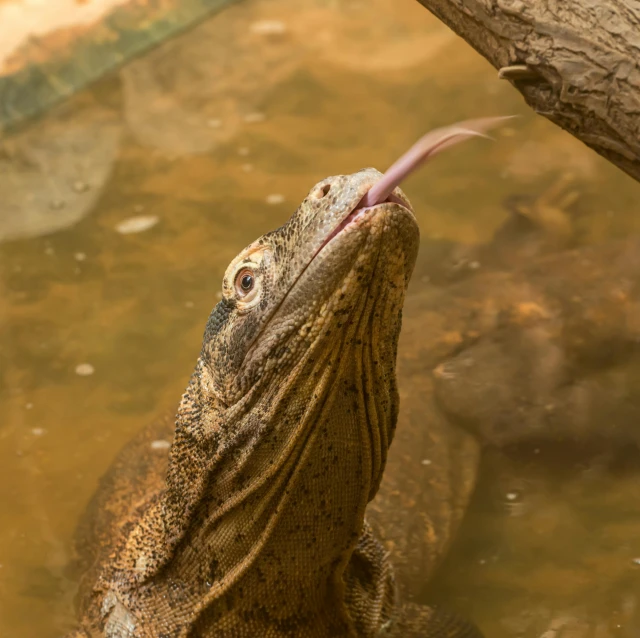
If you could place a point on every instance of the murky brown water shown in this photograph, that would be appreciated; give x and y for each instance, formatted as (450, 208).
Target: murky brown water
(214, 139)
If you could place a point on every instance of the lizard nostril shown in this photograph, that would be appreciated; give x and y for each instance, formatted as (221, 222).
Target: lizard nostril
(323, 191)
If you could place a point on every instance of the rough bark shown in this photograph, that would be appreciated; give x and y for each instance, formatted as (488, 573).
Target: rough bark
(577, 62)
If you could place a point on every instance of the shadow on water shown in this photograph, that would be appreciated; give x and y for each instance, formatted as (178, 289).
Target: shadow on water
(122, 207)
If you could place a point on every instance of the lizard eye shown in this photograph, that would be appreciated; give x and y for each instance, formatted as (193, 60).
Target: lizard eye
(245, 282)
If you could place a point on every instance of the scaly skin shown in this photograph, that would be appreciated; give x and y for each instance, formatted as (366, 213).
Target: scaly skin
(255, 526)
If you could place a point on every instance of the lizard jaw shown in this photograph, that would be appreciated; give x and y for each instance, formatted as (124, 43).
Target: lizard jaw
(360, 212)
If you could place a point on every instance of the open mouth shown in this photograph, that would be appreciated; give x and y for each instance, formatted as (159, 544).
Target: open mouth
(361, 211)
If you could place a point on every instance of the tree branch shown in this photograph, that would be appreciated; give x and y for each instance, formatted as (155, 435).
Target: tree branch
(577, 62)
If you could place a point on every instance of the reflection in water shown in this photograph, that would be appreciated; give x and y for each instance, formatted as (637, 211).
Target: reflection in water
(216, 137)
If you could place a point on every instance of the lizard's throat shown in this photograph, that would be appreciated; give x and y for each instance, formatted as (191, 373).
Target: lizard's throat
(307, 458)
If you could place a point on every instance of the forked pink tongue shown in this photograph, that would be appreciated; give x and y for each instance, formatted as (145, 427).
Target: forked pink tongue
(426, 147)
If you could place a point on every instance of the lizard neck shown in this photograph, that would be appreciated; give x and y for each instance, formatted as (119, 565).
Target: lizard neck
(280, 516)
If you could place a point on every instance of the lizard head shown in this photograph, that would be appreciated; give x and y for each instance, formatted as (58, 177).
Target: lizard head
(303, 280)
(294, 290)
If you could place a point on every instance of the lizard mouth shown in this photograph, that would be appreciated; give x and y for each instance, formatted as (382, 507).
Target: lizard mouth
(361, 211)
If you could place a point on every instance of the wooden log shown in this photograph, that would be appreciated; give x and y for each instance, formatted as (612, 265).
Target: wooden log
(577, 62)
